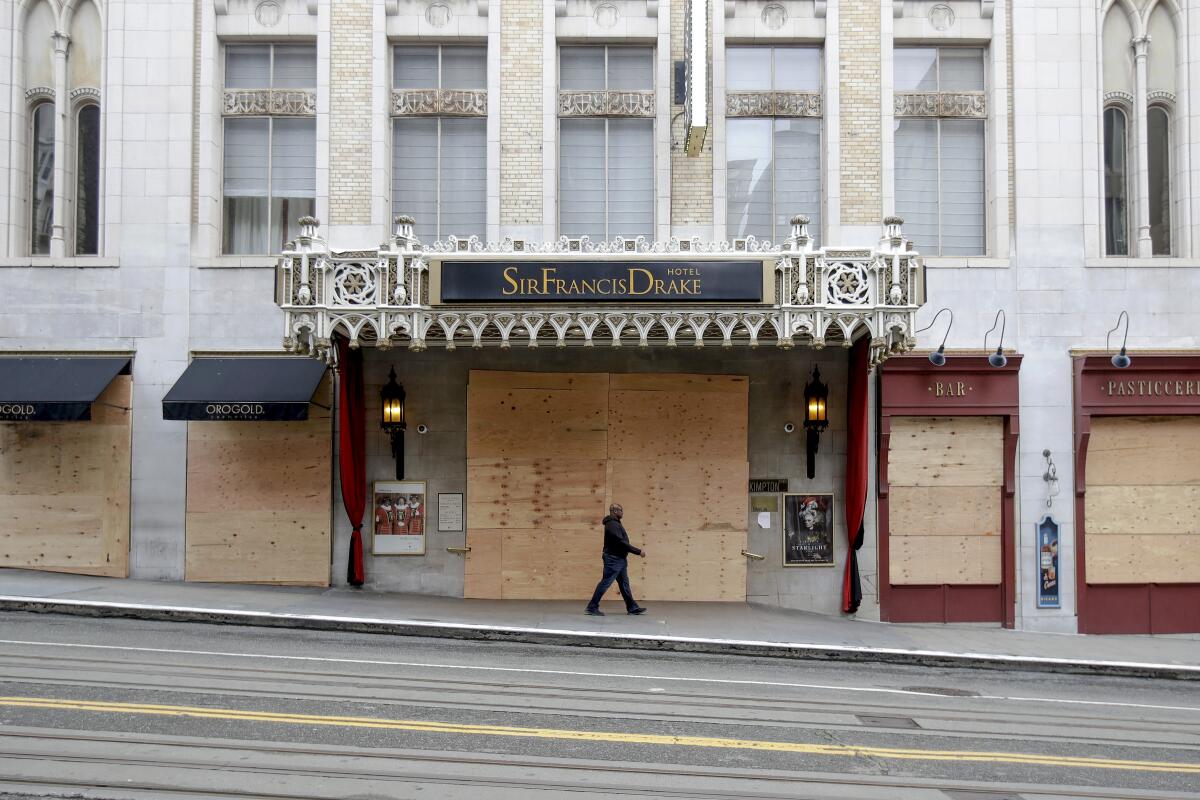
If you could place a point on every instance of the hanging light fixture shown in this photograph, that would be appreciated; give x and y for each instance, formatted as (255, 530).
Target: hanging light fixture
(997, 359)
(938, 358)
(1121, 360)
(816, 416)
(391, 403)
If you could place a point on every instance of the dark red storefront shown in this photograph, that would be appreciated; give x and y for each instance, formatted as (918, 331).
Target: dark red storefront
(947, 464)
(1137, 479)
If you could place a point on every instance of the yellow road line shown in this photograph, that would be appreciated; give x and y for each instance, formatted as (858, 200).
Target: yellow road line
(601, 736)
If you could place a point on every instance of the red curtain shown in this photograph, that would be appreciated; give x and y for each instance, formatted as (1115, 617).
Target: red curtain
(352, 455)
(857, 459)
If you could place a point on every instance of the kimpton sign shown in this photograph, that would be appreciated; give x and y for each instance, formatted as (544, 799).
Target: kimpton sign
(604, 281)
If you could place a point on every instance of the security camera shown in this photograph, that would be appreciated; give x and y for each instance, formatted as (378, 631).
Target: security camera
(788, 427)
(422, 428)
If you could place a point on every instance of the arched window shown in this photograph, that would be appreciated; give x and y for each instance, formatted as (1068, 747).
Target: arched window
(87, 185)
(1116, 182)
(1158, 151)
(41, 188)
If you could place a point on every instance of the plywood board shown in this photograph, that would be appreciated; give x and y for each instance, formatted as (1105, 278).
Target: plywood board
(548, 564)
(934, 560)
(594, 383)
(690, 565)
(944, 511)
(676, 383)
(946, 451)
(691, 494)
(1149, 450)
(1143, 510)
(482, 570)
(275, 477)
(535, 493)
(64, 501)
(1153, 558)
(276, 547)
(517, 422)
(669, 425)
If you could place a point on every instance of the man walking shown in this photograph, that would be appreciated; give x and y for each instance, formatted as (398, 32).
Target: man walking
(616, 550)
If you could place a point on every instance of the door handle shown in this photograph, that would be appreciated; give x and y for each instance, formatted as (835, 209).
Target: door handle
(754, 556)
(466, 549)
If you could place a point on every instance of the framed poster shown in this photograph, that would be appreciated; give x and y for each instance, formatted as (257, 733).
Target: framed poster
(450, 512)
(808, 530)
(398, 514)
(1047, 533)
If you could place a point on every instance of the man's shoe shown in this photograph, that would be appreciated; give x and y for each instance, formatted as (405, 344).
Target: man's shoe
(639, 610)
(593, 612)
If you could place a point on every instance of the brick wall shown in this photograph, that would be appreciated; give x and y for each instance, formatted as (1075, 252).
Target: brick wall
(521, 112)
(691, 178)
(859, 110)
(350, 106)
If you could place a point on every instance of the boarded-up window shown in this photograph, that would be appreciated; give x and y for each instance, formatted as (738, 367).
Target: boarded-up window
(1143, 492)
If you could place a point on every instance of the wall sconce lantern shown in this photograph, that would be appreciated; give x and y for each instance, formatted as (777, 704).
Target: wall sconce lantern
(816, 416)
(1121, 360)
(997, 359)
(391, 402)
(938, 359)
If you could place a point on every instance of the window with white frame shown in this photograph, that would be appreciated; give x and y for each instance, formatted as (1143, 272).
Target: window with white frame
(67, 222)
(606, 141)
(773, 140)
(270, 145)
(439, 138)
(1140, 185)
(940, 119)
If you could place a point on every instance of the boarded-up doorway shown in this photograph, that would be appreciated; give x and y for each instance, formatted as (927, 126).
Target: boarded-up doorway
(944, 541)
(548, 452)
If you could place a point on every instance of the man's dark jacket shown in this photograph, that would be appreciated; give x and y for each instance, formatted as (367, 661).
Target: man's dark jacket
(616, 541)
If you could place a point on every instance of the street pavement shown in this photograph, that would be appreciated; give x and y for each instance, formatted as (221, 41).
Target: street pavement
(695, 627)
(123, 708)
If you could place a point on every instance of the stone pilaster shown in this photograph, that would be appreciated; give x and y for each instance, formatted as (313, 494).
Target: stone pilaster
(350, 112)
(861, 155)
(521, 45)
(691, 176)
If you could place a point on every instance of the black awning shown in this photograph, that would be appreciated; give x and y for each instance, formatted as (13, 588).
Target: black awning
(56, 389)
(253, 389)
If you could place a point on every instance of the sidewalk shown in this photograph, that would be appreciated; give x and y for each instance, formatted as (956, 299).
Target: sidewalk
(727, 628)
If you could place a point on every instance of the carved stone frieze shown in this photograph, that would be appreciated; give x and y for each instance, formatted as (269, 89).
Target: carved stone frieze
(606, 104)
(39, 93)
(773, 104)
(447, 102)
(85, 92)
(263, 102)
(972, 105)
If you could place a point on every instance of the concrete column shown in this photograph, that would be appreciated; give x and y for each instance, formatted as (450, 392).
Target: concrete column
(860, 111)
(1144, 245)
(62, 114)
(692, 209)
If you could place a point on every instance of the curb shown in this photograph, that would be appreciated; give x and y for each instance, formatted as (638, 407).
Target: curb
(569, 638)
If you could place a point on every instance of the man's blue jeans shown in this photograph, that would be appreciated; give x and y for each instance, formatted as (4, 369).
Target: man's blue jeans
(615, 569)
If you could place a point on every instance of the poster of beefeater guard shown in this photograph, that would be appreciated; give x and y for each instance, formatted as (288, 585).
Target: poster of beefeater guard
(398, 518)
(808, 530)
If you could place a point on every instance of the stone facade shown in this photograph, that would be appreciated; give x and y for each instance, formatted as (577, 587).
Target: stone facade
(161, 290)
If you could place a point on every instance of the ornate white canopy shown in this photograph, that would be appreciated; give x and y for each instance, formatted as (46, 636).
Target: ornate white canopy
(821, 296)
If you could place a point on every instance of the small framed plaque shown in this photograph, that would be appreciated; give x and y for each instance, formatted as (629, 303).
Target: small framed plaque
(450, 512)
(398, 518)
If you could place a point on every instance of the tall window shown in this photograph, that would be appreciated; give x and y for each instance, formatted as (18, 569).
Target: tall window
(606, 142)
(270, 157)
(939, 155)
(87, 184)
(439, 138)
(41, 190)
(1116, 182)
(773, 134)
(1158, 150)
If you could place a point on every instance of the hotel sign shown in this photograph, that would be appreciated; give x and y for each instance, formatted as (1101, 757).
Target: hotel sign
(602, 281)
